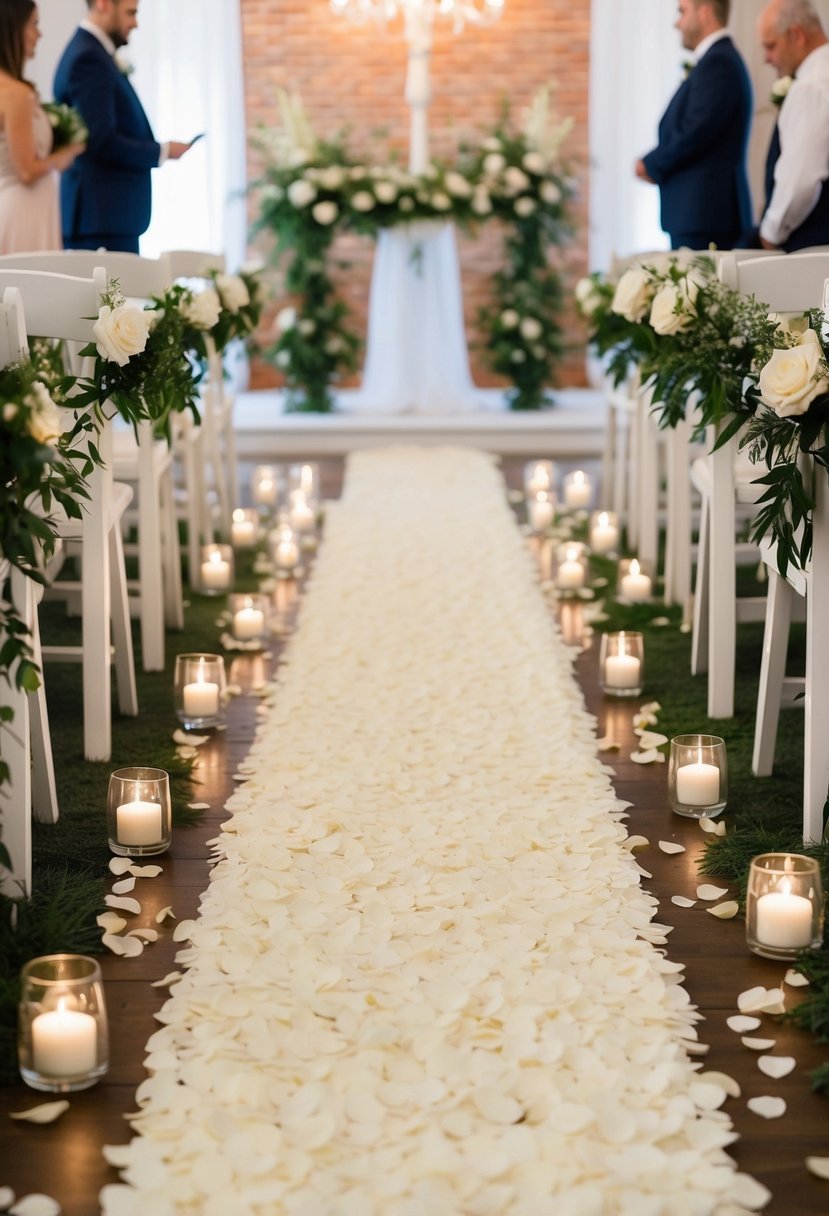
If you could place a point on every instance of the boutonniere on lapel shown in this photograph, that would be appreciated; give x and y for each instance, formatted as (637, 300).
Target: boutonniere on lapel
(124, 66)
(688, 66)
(779, 90)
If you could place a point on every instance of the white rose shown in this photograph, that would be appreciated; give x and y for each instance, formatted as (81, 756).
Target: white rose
(518, 356)
(531, 329)
(525, 206)
(325, 212)
(509, 318)
(538, 352)
(301, 192)
(672, 311)
(633, 294)
(386, 192)
(283, 358)
(550, 193)
(121, 332)
(307, 327)
(406, 204)
(203, 309)
(273, 193)
(516, 179)
(333, 346)
(481, 202)
(286, 319)
(233, 291)
(792, 378)
(587, 296)
(441, 201)
(363, 200)
(45, 420)
(457, 185)
(780, 88)
(494, 163)
(9, 411)
(491, 144)
(331, 177)
(533, 162)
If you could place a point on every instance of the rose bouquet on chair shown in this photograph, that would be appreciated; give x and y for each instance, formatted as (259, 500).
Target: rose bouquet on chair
(142, 361)
(789, 435)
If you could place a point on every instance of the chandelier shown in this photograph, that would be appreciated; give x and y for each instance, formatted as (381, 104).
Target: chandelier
(459, 12)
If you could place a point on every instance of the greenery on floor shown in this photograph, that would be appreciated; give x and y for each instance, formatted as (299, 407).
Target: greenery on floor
(71, 856)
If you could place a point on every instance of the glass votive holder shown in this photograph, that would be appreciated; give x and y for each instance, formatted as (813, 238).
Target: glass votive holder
(264, 485)
(249, 617)
(571, 571)
(216, 571)
(578, 491)
(784, 905)
(285, 549)
(244, 528)
(539, 475)
(634, 581)
(698, 775)
(62, 1034)
(302, 513)
(604, 532)
(139, 817)
(540, 510)
(622, 663)
(304, 479)
(200, 690)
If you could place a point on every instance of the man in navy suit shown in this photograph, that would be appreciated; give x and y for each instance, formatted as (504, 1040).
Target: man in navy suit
(699, 163)
(106, 195)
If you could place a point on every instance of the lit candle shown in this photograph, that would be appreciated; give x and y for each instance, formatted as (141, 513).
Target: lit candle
(783, 919)
(215, 572)
(138, 823)
(265, 489)
(302, 515)
(622, 671)
(577, 490)
(540, 511)
(306, 480)
(570, 572)
(287, 551)
(64, 1042)
(604, 534)
(242, 531)
(538, 478)
(248, 622)
(635, 585)
(698, 784)
(201, 698)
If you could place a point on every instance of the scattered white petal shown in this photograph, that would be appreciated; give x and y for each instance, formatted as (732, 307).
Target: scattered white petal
(36, 1205)
(707, 891)
(682, 901)
(6, 1197)
(234, 690)
(731, 1087)
(777, 1066)
(741, 1024)
(795, 979)
(671, 846)
(651, 738)
(145, 871)
(119, 865)
(754, 1044)
(761, 1000)
(608, 744)
(767, 1107)
(637, 842)
(164, 914)
(124, 885)
(183, 930)
(185, 739)
(651, 756)
(660, 621)
(198, 806)
(724, 911)
(145, 935)
(172, 977)
(819, 1166)
(127, 947)
(750, 1194)
(111, 922)
(123, 902)
(47, 1112)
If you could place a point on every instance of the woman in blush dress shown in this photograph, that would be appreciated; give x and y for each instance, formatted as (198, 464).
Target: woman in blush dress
(29, 207)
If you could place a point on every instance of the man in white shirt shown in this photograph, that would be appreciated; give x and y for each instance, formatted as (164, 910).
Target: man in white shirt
(797, 169)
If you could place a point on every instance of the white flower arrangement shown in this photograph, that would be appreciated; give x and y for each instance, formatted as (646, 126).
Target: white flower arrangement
(202, 308)
(780, 89)
(233, 291)
(121, 331)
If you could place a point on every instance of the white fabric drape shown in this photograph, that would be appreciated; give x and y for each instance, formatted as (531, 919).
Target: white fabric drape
(188, 73)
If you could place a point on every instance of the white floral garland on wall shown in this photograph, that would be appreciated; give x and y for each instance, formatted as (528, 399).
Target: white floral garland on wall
(425, 979)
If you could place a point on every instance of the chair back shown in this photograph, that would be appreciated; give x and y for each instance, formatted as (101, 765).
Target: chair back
(787, 282)
(14, 345)
(138, 276)
(192, 263)
(57, 305)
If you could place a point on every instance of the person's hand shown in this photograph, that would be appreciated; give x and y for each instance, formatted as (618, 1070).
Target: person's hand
(177, 149)
(64, 157)
(641, 172)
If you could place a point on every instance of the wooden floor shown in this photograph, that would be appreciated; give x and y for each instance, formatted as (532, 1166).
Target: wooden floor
(64, 1160)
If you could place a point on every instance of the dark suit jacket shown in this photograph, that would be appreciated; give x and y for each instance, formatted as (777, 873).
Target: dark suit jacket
(107, 190)
(814, 230)
(699, 163)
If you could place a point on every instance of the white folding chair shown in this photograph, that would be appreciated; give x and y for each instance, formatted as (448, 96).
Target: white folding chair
(138, 460)
(787, 283)
(219, 436)
(64, 307)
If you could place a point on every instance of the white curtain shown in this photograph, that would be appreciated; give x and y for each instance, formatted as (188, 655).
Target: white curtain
(187, 57)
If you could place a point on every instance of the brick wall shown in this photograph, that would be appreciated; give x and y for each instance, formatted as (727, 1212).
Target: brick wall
(353, 76)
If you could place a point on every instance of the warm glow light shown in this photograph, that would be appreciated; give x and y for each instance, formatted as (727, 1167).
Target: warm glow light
(476, 12)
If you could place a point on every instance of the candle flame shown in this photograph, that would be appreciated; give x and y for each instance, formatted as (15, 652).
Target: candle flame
(634, 566)
(542, 496)
(201, 671)
(788, 865)
(784, 886)
(215, 556)
(238, 516)
(578, 477)
(604, 519)
(572, 553)
(248, 602)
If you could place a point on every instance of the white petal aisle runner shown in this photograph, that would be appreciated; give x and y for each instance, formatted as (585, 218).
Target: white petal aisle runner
(424, 980)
